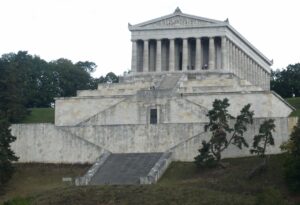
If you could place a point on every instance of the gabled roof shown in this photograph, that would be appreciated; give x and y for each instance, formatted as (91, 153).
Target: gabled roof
(178, 19)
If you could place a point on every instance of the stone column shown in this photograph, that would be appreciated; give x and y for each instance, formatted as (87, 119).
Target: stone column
(234, 51)
(198, 59)
(243, 67)
(211, 55)
(250, 72)
(185, 53)
(239, 63)
(146, 56)
(158, 56)
(229, 68)
(256, 74)
(268, 81)
(259, 83)
(224, 53)
(172, 55)
(134, 57)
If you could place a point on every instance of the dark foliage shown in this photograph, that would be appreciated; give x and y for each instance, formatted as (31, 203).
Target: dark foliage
(7, 156)
(286, 82)
(28, 81)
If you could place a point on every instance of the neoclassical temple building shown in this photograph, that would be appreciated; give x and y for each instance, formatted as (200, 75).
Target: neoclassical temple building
(180, 42)
(180, 64)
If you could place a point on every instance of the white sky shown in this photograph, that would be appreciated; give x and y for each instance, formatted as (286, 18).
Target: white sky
(96, 30)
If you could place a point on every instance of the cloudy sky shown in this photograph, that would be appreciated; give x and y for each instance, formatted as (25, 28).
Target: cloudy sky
(96, 30)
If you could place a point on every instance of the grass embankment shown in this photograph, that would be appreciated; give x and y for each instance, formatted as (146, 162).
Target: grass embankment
(181, 184)
(39, 115)
(295, 102)
(35, 178)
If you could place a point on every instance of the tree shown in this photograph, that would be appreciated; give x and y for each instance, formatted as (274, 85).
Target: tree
(111, 78)
(222, 135)
(286, 82)
(7, 156)
(12, 90)
(87, 66)
(264, 138)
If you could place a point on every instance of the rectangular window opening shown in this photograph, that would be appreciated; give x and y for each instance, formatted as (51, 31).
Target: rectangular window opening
(153, 116)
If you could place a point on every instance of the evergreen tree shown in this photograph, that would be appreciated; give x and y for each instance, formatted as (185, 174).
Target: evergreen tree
(222, 135)
(7, 156)
(264, 138)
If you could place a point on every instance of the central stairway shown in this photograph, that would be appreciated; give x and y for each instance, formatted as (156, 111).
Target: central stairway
(125, 168)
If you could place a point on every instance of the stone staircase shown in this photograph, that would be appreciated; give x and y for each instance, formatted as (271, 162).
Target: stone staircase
(169, 82)
(127, 168)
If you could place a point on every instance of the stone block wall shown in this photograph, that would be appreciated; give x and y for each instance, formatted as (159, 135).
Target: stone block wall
(51, 144)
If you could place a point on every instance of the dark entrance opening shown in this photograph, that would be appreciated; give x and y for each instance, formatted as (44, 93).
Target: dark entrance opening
(153, 116)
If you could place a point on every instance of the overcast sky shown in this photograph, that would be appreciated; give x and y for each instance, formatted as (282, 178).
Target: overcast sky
(97, 30)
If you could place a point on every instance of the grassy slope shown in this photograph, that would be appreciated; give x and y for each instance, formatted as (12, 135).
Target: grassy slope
(36, 178)
(181, 184)
(296, 103)
(40, 115)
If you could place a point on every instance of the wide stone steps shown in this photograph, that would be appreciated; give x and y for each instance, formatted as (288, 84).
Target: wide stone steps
(169, 82)
(125, 168)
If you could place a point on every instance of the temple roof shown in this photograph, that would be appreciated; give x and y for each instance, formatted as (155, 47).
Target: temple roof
(177, 19)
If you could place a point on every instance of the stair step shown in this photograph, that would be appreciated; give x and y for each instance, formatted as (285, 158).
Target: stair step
(169, 82)
(125, 168)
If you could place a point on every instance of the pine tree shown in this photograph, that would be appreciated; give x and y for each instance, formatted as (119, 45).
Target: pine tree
(264, 138)
(222, 135)
(7, 156)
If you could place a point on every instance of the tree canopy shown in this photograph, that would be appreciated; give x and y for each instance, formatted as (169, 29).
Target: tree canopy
(286, 82)
(29, 81)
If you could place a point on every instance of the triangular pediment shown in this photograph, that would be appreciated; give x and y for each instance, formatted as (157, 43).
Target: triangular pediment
(176, 20)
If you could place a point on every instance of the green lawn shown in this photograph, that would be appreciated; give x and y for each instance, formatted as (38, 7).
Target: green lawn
(295, 102)
(182, 184)
(40, 115)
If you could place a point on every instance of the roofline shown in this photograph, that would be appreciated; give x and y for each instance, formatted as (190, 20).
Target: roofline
(172, 15)
(268, 61)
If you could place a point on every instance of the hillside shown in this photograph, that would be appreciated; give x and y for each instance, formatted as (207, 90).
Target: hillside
(181, 184)
(39, 115)
(296, 103)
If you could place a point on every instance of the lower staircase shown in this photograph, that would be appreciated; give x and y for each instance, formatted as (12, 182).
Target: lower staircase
(127, 168)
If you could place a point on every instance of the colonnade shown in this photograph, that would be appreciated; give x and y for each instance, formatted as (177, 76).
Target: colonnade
(205, 53)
